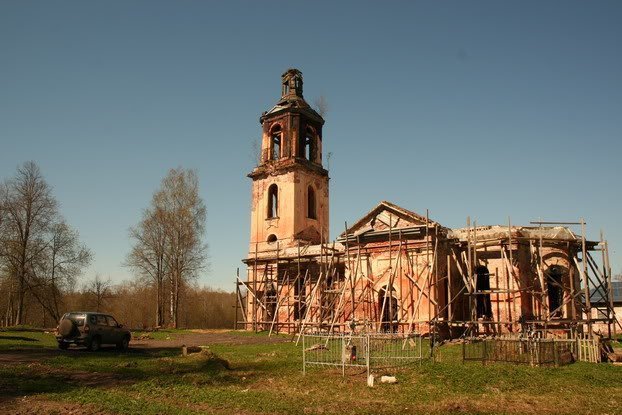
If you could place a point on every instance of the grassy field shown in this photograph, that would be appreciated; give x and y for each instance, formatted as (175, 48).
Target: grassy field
(25, 338)
(267, 378)
(162, 334)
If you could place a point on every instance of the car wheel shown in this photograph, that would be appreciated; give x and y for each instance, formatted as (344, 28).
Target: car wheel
(95, 344)
(63, 346)
(124, 344)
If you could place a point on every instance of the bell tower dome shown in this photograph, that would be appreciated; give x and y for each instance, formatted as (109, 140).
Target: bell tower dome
(290, 185)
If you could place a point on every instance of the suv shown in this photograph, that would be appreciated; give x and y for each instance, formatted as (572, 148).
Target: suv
(91, 330)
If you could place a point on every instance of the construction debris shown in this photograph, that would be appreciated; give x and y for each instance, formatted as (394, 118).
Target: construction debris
(388, 379)
(186, 350)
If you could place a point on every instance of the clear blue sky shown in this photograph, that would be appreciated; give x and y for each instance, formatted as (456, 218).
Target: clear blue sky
(489, 109)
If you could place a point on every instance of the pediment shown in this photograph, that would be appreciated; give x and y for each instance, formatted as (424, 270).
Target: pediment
(386, 216)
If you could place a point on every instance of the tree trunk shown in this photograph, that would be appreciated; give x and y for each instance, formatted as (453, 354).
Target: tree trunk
(176, 302)
(158, 321)
(171, 320)
(20, 301)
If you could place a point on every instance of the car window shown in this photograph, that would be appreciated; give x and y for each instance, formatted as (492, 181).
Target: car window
(112, 322)
(93, 319)
(76, 318)
(101, 321)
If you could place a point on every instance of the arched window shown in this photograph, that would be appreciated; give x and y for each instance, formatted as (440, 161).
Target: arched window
(307, 148)
(555, 290)
(275, 143)
(387, 309)
(482, 283)
(311, 203)
(273, 201)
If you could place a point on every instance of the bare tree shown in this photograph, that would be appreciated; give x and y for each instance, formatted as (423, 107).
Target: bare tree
(99, 290)
(320, 104)
(147, 255)
(184, 214)
(255, 153)
(169, 249)
(57, 269)
(28, 211)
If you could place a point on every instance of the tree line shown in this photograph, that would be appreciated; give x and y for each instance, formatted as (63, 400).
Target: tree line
(42, 260)
(133, 304)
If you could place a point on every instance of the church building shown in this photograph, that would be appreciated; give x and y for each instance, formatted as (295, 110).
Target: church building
(395, 270)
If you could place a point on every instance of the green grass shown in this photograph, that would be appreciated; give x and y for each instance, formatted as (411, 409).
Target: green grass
(267, 378)
(162, 334)
(26, 339)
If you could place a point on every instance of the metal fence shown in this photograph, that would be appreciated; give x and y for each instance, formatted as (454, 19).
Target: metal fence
(364, 351)
(534, 352)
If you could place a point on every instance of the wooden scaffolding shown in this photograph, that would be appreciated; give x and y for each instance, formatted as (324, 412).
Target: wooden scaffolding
(433, 275)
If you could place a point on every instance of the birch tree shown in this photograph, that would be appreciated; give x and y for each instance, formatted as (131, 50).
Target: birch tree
(147, 255)
(169, 247)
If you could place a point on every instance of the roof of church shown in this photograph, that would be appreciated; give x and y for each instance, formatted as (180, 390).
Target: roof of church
(561, 233)
(292, 98)
(393, 208)
(295, 103)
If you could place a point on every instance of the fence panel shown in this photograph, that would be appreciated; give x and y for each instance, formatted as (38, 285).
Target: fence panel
(534, 352)
(473, 350)
(588, 350)
(391, 350)
(362, 350)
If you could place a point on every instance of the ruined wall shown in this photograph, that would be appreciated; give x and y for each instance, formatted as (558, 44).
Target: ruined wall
(518, 291)
(422, 287)
(418, 281)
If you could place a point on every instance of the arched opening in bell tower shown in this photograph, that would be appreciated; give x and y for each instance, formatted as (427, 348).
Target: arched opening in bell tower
(273, 201)
(308, 146)
(275, 142)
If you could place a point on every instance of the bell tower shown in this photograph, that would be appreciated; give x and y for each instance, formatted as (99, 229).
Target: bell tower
(290, 185)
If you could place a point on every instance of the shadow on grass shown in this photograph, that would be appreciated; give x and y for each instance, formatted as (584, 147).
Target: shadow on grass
(26, 381)
(19, 338)
(63, 372)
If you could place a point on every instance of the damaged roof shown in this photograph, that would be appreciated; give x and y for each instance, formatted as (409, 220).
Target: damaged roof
(292, 103)
(499, 231)
(292, 99)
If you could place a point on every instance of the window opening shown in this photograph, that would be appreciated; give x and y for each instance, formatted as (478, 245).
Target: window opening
(273, 201)
(311, 213)
(484, 307)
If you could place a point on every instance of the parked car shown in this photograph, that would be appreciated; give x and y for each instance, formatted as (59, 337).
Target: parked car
(92, 330)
